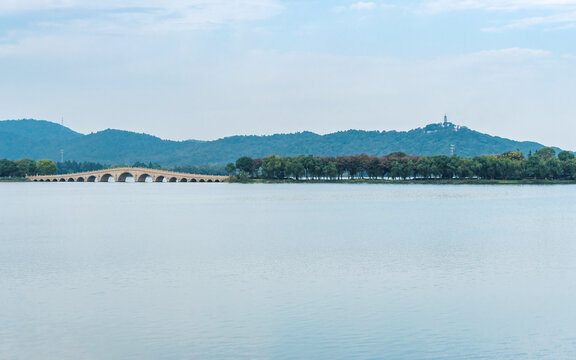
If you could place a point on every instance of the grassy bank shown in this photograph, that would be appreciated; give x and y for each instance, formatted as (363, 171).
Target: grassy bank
(12, 179)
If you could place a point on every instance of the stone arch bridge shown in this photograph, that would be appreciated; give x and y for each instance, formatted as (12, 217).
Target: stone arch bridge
(121, 174)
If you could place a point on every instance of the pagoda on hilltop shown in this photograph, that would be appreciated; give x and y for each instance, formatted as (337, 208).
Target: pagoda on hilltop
(445, 125)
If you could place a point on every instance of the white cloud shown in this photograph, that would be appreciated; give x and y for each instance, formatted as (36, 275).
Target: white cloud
(455, 5)
(146, 15)
(363, 5)
(511, 54)
(563, 12)
(562, 21)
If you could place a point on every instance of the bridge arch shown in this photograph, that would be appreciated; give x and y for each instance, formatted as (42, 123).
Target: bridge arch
(106, 178)
(209, 180)
(173, 179)
(62, 180)
(91, 178)
(142, 178)
(53, 180)
(70, 179)
(193, 180)
(124, 176)
(183, 180)
(159, 178)
(202, 180)
(80, 179)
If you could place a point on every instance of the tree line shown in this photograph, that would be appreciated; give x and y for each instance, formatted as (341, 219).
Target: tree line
(512, 165)
(24, 167)
(29, 167)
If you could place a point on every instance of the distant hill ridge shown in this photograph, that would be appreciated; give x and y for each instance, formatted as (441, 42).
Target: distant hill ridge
(39, 139)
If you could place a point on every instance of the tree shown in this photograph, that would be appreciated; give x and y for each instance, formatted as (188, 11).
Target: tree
(465, 169)
(139, 164)
(245, 164)
(341, 165)
(330, 170)
(26, 167)
(565, 155)
(407, 169)
(273, 167)
(424, 167)
(569, 169)
(373, 167)
(230, 168)
(46, 167)
(295, 168)
(535, 168)
(442, 166)
(395, 169)
(545, 153)
(512, 155)
(383, 166)
(353, 166)
(8, 168)
(553, 168)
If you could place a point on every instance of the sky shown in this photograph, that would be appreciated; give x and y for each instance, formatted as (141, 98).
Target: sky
(206, 69)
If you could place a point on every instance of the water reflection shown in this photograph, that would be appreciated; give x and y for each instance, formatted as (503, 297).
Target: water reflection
(225, 271)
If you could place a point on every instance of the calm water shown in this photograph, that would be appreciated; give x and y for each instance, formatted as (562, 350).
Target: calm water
(224, 271)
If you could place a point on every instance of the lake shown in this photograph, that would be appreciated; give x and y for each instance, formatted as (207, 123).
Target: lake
(286, 271)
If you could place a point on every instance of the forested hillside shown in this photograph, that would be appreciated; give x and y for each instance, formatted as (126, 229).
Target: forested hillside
(43, 140)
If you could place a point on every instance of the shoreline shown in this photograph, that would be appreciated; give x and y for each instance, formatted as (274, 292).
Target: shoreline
(411, 182)
(380, 181)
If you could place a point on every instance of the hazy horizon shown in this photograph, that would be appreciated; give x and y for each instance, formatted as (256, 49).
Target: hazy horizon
(197, 69)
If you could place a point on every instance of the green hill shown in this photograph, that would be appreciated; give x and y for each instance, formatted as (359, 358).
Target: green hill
(42, 139)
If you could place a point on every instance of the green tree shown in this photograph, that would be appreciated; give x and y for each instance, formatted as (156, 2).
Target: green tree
(553, 168)
(330, 170)
(565, 155)
(442, 166)
(424, 167)
(245, 164)
(8, 168)
(569, 169)
(545, 153)
(535, 168)
(230, 168)
(373, 167)
(406, 169)
(26, 167)
(273, 167)
(354, 166)
(139, 164)
(295, 168)
(395, 169)
(46, 167)
(465, 169)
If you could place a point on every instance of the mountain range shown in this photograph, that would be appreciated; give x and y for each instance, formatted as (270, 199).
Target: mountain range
(39, 139)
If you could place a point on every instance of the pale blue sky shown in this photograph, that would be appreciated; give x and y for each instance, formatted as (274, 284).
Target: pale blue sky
(205, 69)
